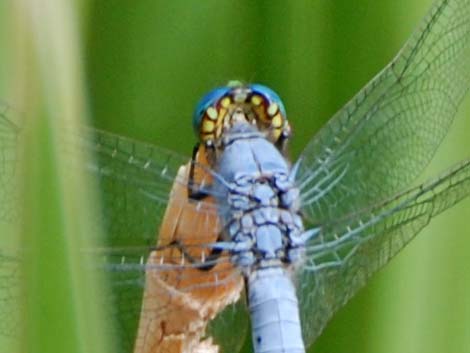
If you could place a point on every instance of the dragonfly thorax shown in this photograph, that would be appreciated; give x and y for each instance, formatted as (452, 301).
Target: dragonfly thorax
(261, 213)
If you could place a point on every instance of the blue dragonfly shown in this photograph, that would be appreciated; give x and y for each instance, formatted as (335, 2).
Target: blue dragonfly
(311, 232)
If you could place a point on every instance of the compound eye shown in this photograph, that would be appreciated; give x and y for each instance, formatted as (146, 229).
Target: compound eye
(270, 114)
(210, 99)
(271, 96)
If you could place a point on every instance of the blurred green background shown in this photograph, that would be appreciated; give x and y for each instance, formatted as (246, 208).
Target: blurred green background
(144, 64)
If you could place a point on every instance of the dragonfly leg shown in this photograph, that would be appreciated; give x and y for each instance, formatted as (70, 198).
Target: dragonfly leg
(210, 259)
(242, 251)
(305, 236)
(193, 192)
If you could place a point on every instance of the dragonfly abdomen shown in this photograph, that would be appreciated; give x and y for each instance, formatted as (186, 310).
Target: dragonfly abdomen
(274, 312)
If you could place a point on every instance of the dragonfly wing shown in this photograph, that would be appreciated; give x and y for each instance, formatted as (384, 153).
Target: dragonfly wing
(9, 168)
(9, 294)
(163, 306)
(383, 138)
(348, 251)
(134, 178)
(137, 182)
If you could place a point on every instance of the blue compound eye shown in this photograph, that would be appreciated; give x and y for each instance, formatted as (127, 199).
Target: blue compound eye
(270, 95)
(209, 99)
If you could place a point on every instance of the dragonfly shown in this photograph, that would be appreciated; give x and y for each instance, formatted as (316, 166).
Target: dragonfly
(195, 243)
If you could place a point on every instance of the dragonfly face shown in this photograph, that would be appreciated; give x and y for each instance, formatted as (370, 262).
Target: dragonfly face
(354, 195)
(253, 103)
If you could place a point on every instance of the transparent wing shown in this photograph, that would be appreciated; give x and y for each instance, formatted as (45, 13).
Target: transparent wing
(9, 142)
(348, 251)
(9, 294)
(150, 302)
(134, 180)
(9, 262)
(383, 138)
(149, 277)
(158, 302)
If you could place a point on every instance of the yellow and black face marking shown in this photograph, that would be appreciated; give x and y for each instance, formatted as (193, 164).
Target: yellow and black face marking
(255, 103)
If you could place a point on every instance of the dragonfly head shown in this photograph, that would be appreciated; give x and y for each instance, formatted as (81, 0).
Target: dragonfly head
(256, 104)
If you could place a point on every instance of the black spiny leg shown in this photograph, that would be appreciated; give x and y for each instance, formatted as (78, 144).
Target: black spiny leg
(193, 190)
(213, 255)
